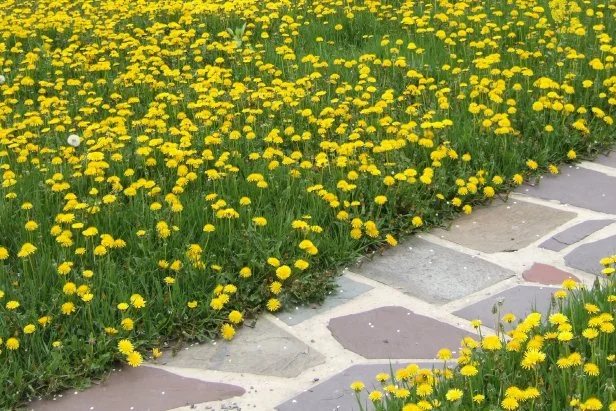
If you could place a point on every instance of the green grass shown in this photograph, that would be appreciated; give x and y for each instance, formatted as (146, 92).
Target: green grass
(166, 101)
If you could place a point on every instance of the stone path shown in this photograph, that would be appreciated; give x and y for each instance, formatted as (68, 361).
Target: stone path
(395, 308)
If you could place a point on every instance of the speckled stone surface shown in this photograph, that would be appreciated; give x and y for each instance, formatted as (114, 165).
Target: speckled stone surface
(143, 388)
(546, 274)
(336, 394)
(346, 291)
(586, 257)
(574, 234)
(279, 353)
(431, 272)
(520, 301)
(504, 226)
(394, 332)
(580, 187)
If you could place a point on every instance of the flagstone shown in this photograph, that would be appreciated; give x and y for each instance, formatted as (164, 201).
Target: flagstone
(346, 291)
(586, 257)
(579, 187)
(520, 301)
(336, 394)
(608, 159)
(431, 272)
(504, 226)
(143, 388)
(265, 349)
(546, 274)
(574, 234)
(394, 332)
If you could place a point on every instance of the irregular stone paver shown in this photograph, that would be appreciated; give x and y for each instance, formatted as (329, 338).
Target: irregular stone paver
(504, 226)
(335, 393)
(394, 332)
(265, 349)
(579, 187)
(586, 257)
(347, 290)
(546, 274)
(574, 234)
(143, 388)
(607, 159)
(431, 272)
(520, 301)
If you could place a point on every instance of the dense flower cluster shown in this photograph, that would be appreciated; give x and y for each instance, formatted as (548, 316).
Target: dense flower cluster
(169, 167)
(565, 360)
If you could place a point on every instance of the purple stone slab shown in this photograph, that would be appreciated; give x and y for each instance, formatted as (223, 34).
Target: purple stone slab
(607, 159)
(579, 187)
(142, 388)
(574, 234)
(394, 332)
(586, 257)
(520, 301)
(546, 274)
(336, 394)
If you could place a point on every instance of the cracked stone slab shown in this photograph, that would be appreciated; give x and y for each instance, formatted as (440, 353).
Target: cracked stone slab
(143, 388)
(394, 332)
(574, 234)
(346, 291)
(579, 187)
(265, 350)
(608, 159)
(546, 274)
(586, 257)
(504, 226)
(431, 272)
(520, 301)
(336, 394)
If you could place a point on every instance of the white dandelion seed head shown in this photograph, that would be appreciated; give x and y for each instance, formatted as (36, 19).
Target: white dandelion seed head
(73, 140)
(2, 79)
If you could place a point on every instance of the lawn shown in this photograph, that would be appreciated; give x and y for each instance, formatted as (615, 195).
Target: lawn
(172, 167)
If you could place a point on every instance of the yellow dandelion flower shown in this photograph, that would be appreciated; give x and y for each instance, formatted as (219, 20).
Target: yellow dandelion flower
(134, 359)
(26, 250)
(454, 394)
(125, 346)
(227, 331)
(12, 344)
(235, 317)
(273, 304)
(510, 403)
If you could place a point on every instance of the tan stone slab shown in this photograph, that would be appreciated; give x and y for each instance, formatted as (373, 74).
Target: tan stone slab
(504, 226)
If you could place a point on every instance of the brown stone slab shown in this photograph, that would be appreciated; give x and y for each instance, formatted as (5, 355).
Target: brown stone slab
(504, 226)
(336, 394)
(546, 274)
(394, 332)
(143, 388)
(520, 301)
(579, 187)
(265, 349)
(574, 234)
